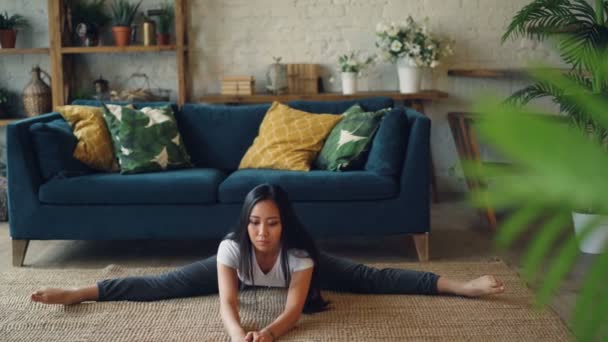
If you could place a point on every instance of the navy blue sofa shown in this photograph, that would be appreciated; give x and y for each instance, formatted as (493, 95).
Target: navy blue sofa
(390, 195)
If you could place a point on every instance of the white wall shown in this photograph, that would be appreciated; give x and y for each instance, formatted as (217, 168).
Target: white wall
(239, 37)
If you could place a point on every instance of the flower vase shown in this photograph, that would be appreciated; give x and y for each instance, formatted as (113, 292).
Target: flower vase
(410, 76)
(349, 83)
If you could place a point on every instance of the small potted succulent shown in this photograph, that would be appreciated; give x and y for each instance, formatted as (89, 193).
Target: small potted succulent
(8, 29)
(88, 18)
(166, 17)
(123, 13)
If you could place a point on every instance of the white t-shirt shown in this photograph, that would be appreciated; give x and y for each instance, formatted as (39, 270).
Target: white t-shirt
(228, 254)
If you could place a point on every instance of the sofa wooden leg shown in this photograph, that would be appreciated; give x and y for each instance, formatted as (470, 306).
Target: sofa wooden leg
(19, 250)
(422, 246)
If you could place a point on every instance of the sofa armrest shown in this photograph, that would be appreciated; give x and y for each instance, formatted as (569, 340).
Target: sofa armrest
(23, 171)
(415, 174)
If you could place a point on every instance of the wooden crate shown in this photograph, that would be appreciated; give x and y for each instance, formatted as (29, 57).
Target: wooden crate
(303, 78)
(237, 85)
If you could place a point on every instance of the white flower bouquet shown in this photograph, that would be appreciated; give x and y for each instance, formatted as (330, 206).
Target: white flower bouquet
(410, 42)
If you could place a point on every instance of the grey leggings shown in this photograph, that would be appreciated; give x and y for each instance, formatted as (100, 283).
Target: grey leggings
(336, 274)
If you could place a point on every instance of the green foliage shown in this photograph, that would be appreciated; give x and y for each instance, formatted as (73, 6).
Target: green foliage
(558, 169)
(4, 94)
(165, 18)
(123, 12)
(90, 12)
(351, 62)
(11, 22)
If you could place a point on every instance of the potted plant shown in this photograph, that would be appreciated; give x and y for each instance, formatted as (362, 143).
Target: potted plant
(585, 41)
(8, 29)
(351, 68)
(411, 46)
(166, 16)
(88, 18)
(123, 13)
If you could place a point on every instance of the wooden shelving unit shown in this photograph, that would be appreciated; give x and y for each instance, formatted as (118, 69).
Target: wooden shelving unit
(32, 51)
(4, 122)
(62, 57)
(425, 95)
(117, 49)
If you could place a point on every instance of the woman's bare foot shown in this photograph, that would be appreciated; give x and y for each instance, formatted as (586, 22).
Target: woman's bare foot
(482, 286)
(56, 296)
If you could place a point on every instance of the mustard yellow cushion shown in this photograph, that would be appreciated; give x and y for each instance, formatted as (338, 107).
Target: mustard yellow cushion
(289, 139)
(94, 146)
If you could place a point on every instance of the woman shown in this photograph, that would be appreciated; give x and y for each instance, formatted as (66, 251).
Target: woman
(270, 247)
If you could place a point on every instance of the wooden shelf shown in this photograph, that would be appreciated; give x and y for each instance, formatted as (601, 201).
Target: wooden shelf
(423, 95)
(38, 51)
(4, 122)
(117, 49)
(496, 72)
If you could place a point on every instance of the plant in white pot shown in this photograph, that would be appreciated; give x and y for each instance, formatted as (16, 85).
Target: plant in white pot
(582, 30)
(351, 67)
(412, 47)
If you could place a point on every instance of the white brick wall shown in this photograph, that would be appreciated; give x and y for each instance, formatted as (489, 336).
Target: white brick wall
(241, 36)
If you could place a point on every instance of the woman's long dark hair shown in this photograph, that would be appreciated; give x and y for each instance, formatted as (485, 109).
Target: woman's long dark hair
(293, 236)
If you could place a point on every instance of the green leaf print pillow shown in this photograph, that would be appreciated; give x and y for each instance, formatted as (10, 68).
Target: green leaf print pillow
(346, 146)
(146, 139)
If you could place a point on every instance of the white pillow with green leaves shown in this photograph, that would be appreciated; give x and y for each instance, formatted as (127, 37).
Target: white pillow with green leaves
(146, 139)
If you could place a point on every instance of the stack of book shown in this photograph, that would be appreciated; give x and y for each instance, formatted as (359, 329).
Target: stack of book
(238, 85)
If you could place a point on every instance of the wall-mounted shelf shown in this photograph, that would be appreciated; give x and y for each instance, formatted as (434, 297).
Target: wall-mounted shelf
(33, 51)
(496, 72)
(117, 49)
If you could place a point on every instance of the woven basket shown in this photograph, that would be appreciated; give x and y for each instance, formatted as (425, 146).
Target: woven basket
(37, 97)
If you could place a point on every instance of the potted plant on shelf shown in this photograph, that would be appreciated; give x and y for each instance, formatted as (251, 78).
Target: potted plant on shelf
(8, 29)
(351, 68)
(166, 16)
(411, 46)
(584, 43)
(123, 13)
(88, 18)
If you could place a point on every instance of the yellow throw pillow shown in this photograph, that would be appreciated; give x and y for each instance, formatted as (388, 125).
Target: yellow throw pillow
(94, 146)
(289, 139)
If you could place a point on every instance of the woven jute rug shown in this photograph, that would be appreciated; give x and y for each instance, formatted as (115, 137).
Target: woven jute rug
(507, 317)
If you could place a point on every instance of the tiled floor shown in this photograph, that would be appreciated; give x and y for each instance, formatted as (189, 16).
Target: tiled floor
(457, 235)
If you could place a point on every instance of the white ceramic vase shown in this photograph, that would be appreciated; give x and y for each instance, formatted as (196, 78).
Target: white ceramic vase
(349, 83)
(597, 241)
(410, 76)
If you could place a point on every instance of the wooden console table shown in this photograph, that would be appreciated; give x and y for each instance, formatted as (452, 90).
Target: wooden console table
(414, 101)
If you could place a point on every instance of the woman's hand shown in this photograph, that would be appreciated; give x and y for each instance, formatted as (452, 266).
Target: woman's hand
(259, 336)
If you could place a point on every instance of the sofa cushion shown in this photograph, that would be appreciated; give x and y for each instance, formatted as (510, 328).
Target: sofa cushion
(371, 104)
(54, 144)
(388, 148)
(146, 140)
(217, 136)
(136, 105)
(289, 139)
(94, 146)
(316, 185)
(347, 145)
(186, 186)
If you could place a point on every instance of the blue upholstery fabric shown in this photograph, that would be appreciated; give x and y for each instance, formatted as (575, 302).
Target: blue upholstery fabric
(187, 186)
(388, 148)
(218, 136)
(137, 105)
(54, 143)
(338, 107)
(310, 186)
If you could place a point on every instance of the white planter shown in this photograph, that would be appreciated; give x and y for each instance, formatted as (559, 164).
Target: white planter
(595, 242)
(410, 77)
(349, 83)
